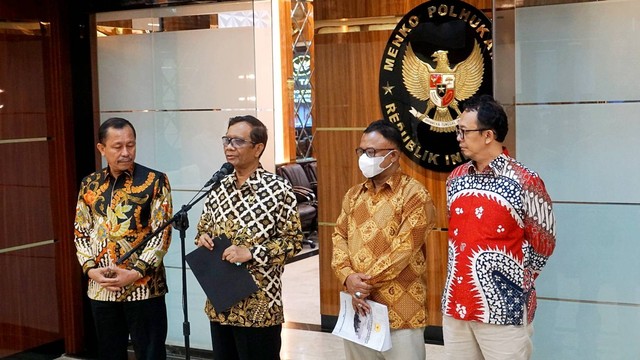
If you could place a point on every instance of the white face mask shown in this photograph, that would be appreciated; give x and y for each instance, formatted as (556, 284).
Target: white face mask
(370, 166)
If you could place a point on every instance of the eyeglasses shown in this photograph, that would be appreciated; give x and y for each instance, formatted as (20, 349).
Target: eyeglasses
(371, 152)
(462, 132)
(235, 142)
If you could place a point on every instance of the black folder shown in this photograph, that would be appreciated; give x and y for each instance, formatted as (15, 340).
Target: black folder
(224, 283)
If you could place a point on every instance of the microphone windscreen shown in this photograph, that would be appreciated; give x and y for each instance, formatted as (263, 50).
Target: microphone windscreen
(227, 168)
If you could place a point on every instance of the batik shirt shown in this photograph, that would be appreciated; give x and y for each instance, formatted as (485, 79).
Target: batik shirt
(383, 234)
(501, 234)
(114, 215)
(262, 216)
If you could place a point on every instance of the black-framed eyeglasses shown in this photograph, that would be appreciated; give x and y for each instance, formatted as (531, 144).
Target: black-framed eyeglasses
(462, 132)
(235, 142)
(371, 152)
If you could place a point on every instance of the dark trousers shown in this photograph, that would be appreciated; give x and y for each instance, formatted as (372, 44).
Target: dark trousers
(145, 321)
(245, 343)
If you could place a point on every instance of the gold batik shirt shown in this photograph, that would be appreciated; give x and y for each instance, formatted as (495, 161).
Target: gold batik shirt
(383, 234)
(114, 215)
(262, 216)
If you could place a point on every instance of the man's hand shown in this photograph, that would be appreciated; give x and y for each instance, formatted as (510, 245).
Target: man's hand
(206, 241)
(359, 289)
(236, 254)
(357, 285)
(360, 306)
(114, 279)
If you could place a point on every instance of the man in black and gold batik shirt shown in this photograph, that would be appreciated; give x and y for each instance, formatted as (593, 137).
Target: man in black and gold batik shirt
(117, 208)
(257, 211)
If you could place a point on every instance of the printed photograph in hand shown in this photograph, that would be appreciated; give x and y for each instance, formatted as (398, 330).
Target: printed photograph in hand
(362, 325)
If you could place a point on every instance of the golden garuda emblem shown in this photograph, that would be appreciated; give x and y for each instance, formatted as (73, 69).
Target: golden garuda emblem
(442, 87)
(438, 56)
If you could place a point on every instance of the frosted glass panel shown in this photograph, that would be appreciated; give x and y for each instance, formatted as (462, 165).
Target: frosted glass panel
(205, 69)
(584, 331)
(577, 52)
(199, 69)
(583, 152)
(200, 337)
(582, 57)
(596, 254)
(125, 79)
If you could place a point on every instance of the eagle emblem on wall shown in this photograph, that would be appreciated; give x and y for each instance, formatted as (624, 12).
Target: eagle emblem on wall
(442, 87)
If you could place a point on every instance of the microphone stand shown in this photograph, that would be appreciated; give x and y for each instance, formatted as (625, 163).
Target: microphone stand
(181, 222)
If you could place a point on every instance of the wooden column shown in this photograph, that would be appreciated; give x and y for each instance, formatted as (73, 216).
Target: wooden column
(286, 54)
(60, 125)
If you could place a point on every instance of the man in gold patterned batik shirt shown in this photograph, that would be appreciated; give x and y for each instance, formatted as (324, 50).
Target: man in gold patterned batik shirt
(257, 211)
(117, 208)
(379, 244)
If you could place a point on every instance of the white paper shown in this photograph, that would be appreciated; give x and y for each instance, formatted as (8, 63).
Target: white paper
(371, 331)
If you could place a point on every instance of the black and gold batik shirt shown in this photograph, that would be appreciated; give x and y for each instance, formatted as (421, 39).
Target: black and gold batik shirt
(262, 216)
(114, 215)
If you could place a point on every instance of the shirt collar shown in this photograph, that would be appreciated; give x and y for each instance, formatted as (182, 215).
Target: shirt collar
(392, 182)
(129, 172)
(256, 177)
(253, 180)
(495, 166)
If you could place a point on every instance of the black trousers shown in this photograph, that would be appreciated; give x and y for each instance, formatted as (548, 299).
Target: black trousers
(245, 343)
(145, 321)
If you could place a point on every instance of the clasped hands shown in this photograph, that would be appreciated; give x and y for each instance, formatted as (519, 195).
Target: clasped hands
(359, 289)
(233, 254)
(114, 278)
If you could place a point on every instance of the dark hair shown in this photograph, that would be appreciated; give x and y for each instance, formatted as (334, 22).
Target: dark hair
(258, 129)
(387, 130)
(116, 123)
(491, 114)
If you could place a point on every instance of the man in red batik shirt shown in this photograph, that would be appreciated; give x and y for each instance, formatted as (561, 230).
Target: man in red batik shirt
(501, 234)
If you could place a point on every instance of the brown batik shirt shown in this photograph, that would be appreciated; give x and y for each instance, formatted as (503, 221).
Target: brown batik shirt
(383, 234)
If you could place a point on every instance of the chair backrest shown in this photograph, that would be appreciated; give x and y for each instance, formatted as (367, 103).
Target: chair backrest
(311, 170)
(295, 174)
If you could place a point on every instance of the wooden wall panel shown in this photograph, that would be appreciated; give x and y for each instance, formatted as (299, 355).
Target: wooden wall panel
(526, 3)
(346, 101)
(337, 169)
(436, 274)
(337, 172)
(23, 9)
(32, 172)
(22, 98)
(286, 68)
(43, 298)
(330, 287)
(346, 78)
(26, 217)
(348, 9)
(434, 182)
(29, 311)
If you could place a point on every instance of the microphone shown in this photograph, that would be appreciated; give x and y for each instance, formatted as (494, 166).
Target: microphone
(225, 170)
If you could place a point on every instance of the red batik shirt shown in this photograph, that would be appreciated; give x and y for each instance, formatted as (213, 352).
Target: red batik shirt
(501, 234)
